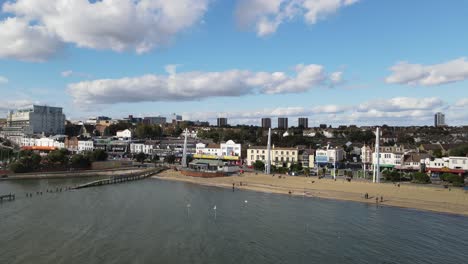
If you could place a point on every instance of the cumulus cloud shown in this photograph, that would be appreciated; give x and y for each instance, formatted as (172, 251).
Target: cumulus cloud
(119, 25)
(197, 85)
(267, 15)
(26, 42)
(3, 80)
(428, 75)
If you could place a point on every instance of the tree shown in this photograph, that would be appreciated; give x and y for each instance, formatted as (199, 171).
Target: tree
(155, 158)
(140, 157)
(170, 159)
(392, 175)
(461, 151)
(18, 167)
(59, 157)
(97, 155)
(80, 161)
(453, 179)
(420, 177)
(296, 167)
(259, 165)
(437, 153)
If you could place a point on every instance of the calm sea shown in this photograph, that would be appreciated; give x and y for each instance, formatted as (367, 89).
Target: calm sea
(154, 221)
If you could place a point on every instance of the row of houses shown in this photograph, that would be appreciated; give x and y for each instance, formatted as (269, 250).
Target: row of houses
(396, 157)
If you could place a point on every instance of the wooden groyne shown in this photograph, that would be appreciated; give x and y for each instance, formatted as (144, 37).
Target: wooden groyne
(7, 197)
(120, 179)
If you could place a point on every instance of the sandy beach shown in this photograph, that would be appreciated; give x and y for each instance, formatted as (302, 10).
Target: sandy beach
(429, 198)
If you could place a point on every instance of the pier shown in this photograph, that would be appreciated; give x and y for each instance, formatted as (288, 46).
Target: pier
(119, 179)
(7, 197)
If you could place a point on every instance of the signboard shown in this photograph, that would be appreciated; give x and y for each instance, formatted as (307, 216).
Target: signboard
(204, 156)
(321, 159)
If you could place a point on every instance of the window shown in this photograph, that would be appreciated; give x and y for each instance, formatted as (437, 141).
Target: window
(287, 159)
(281, 152)
(287, 152)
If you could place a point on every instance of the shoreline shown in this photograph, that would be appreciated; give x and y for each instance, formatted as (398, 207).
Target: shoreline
(422, 198)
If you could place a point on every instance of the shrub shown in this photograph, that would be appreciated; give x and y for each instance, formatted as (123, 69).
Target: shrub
(453, 179)
(420, 177)
(259, 165)
(80, 161)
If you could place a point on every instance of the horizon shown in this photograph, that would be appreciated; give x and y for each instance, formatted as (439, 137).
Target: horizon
(346, 62)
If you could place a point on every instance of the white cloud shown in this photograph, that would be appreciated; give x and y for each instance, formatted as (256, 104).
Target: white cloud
(396, 111)
(70, 73)
(67, 73)
(22, 41)
(268, 15)
(196, 85)
(399, 104)
(427, 75)
(6, 105)
(462, 102)
(3, 80)
(139, 25)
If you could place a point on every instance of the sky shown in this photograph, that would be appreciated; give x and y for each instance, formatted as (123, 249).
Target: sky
(339, 62)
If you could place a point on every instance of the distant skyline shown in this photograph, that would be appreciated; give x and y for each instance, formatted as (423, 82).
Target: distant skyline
(360, 62)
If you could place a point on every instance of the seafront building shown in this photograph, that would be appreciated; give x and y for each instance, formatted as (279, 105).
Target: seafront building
(34, 120)
(229, 148)
(280, 156)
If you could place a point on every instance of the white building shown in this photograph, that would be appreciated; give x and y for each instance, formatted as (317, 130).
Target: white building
(35, 120)
(208, 149)
(388, 159)
(136, 148)
(229, 148)
(124, 134)
(85, 145)
(280, 157)
(366, 154)
(328, 155)
(452, 163)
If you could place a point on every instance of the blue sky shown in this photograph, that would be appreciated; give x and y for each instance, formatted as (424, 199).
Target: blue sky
(225, 66)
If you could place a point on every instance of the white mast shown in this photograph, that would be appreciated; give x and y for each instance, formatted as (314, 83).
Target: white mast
(184, 152)
(376, 177)
(268, 164)
(334, 164)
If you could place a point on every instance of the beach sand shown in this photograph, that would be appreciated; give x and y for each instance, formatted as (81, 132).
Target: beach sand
(430, 198)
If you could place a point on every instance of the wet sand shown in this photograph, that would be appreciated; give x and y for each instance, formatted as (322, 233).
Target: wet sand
(429, 198)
